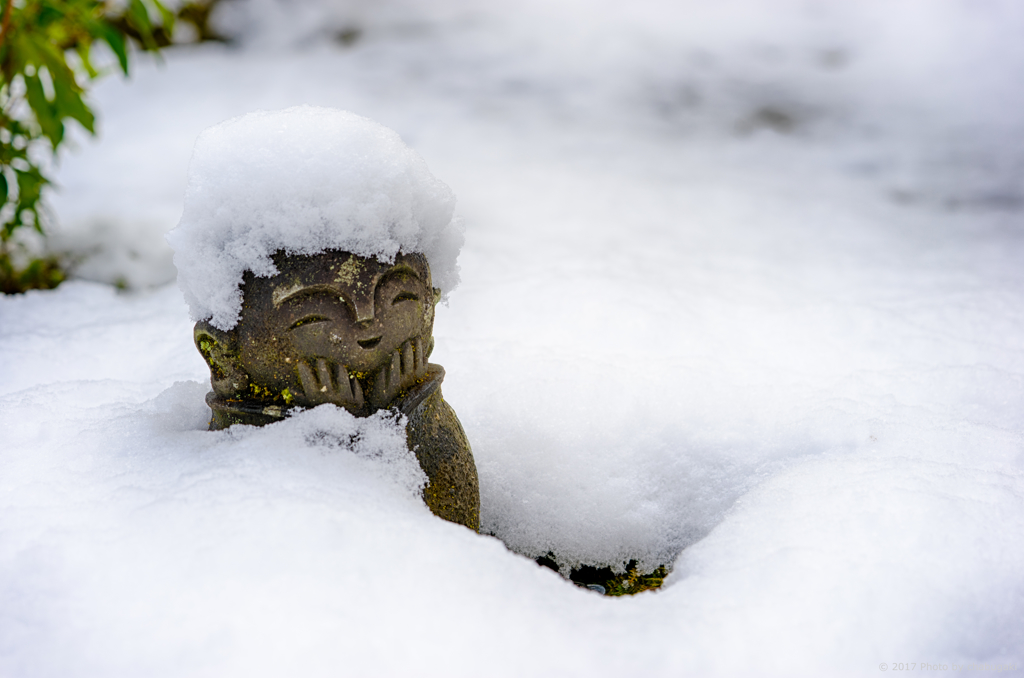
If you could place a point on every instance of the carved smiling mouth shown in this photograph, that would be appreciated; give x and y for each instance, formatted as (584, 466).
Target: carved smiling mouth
(369, 343)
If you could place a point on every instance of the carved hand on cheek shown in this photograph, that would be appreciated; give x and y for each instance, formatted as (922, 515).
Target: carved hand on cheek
(407, 366)
(330, 384)
(220, 351)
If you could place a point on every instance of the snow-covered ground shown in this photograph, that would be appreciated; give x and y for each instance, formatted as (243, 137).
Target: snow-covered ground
(742, 291)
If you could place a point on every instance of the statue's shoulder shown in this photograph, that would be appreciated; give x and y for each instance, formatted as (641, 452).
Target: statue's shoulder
(436, 436)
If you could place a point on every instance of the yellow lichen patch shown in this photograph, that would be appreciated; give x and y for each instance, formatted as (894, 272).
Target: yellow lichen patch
(349, 271)
(260, 391)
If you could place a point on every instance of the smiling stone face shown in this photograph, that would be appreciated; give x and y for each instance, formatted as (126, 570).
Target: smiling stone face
(349, 309)
(330, 327)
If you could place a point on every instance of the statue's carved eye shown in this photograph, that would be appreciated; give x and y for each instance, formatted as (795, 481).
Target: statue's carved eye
(404, 296)
(308, 320)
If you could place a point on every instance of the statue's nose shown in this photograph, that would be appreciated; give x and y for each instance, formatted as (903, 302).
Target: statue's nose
(364, 310)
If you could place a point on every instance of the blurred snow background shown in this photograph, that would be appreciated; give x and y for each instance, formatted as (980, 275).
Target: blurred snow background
(742, 291)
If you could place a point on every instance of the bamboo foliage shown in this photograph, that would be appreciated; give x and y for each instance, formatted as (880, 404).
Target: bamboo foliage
(46, 63)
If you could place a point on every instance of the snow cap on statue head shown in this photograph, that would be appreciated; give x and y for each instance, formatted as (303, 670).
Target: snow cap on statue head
(304, 180)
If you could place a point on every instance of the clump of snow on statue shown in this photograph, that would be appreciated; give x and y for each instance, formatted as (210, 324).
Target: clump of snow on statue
(304, 180)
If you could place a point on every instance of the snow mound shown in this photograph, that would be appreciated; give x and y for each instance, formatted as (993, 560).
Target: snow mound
(304, 179)
(379, 440)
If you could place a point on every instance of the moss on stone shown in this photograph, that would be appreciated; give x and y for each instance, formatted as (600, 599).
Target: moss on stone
(607, 582)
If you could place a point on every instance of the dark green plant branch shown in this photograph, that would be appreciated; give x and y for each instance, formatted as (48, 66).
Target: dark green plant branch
(40, 92)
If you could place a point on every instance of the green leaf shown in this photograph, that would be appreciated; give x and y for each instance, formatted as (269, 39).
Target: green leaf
(40, 35)
(22, 53)
(166, 16)
(115, 39)
(30, 186)
(138, 17)
(37, 225)
(49, 14)
(85, 57)
(54, 60)
(51, 125)
(69, 104)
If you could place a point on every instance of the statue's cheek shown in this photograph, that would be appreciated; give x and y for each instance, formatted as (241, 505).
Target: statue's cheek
(320, 340)
(403, 322)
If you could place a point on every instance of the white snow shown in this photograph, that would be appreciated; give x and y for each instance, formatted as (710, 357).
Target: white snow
(305, 179)
(741, 291)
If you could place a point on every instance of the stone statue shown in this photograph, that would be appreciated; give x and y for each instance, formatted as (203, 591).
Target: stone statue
(335, 327)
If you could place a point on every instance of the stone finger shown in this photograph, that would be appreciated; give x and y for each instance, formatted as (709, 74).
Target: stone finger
(380, 387)
(421, 357)
(324, 370)
(308, 381)
(408, 358)
(344, 385)
(357, 393)
(395, 373)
